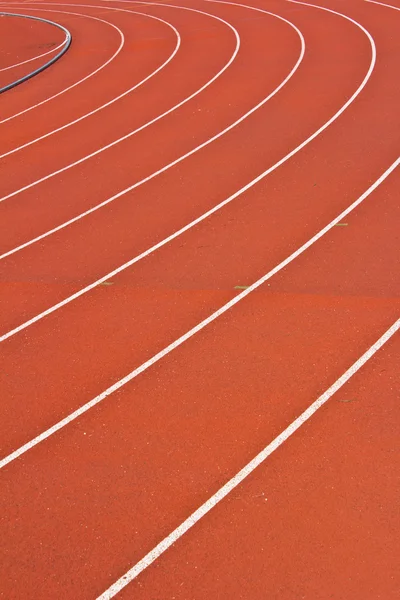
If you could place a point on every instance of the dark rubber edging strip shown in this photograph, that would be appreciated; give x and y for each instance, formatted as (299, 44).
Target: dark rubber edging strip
(68, 40)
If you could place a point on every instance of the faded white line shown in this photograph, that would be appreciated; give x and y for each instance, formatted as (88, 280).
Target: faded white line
(189, 334)
(178, 160)
(130, 134)
(211, 211)
(382, 4)
(70, 87)
(106, 104)
(198, 514)
(24, 62)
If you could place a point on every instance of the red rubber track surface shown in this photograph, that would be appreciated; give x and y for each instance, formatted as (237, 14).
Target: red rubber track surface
(78, 510)
(312, 523)
(23, 40)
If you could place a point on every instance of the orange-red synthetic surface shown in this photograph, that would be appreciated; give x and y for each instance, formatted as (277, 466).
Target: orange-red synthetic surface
(80, 508)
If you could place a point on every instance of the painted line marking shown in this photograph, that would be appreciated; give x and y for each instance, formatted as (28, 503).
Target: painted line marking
(24, 62)
(122, 41)
(173, 163)
(99, 108)
(223, 309)
(205, 508)
(382, 4)
(341, 224)
(241, 287)
(216, 208)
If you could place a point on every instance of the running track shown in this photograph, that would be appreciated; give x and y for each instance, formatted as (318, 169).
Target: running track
(200, 301)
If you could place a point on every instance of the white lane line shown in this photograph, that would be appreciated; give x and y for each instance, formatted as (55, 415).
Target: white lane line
(189, 334)
(209, 212)
(198, 514)
(24, 62)
(106, 104)
(130, 134)
(121, 44)
(382, 4)
(178, 160)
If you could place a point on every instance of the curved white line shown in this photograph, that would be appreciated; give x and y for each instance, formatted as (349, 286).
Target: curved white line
(218, 206)
(189, 334)
(122, 41)
(382, 4)
(178, 160)
(226, 489)
(110, 102)
(24, 62)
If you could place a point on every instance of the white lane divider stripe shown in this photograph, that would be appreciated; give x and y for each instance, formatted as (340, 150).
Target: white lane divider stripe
(24, 62)
(382, 4)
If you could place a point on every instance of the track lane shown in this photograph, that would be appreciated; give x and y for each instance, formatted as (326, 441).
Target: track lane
(36, 57)
(215, 153)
